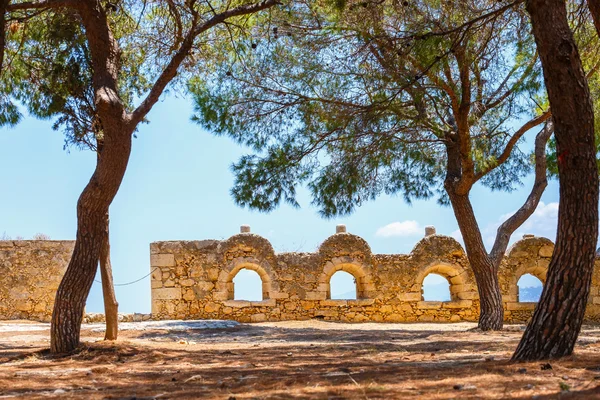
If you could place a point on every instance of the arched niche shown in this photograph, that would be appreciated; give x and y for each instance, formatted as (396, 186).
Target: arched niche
(529, 288)
(264, 276)
(441, 285)
(247, 286)
(343, 286)
(535, 270)
(455, 275)
(360, 272)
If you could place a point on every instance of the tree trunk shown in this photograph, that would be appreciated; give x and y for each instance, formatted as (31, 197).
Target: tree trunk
(557, 319)
(491, 314)
(3, 5)
(92, 209)
(111, 306)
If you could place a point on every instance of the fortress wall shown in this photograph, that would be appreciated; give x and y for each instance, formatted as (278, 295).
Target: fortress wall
(194, 280)
(30, 272)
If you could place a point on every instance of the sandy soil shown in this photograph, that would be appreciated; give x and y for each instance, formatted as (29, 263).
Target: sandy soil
(308, 359)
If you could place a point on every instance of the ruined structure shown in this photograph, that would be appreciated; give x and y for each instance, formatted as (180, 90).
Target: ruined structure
(194, 279)
(30, 272)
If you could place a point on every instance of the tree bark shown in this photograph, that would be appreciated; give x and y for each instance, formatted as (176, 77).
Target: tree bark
(557, 319)
(92, 209)
(111, 306)
(491, 310)
(3, 5)
(117, 129)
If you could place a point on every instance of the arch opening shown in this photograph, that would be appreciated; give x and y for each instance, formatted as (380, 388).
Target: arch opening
(436, 287)
(247, 285)
(529, 289)
(343, 286)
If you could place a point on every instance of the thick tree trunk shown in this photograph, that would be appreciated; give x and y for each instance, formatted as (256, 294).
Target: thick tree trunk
(491, 314)
(557, 319)
(111, 307)
(92, 209)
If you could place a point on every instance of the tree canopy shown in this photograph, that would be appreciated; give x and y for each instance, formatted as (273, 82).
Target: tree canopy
(356, 99)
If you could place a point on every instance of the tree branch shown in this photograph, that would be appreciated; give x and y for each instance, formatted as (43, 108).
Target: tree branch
(520, 216)
(513, 141)
(170, 70)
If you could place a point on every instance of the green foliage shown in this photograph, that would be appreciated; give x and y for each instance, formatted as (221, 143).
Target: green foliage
(351, 99)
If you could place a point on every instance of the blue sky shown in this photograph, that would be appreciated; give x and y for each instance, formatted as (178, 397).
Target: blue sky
(177, 187)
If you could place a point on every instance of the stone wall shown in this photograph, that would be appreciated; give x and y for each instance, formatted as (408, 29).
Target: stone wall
(30, 272)
(194, 280)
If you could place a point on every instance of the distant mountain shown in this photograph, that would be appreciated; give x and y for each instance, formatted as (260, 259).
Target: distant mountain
(351, 295)
(532, 293)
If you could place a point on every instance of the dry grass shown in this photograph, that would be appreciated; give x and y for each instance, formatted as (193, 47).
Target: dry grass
(311, 359)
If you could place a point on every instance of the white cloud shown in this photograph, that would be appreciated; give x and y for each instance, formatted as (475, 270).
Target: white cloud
(542, 222)
(404, 228)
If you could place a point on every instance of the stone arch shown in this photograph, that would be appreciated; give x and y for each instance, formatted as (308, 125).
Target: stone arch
(460, 289)
(225, 283)
(360, 272)
(535, 270)
(519, 298)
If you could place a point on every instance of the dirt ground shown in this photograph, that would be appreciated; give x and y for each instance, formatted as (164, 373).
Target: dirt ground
(308, 359)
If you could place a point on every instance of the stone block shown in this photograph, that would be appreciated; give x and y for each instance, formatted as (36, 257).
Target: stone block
(264, 303)
(211, 307)
(510, 298)
(220, 295)
(468, 295)
(279, 295)
(237, 303)
(189, 295)
(323, 287)
(429, 305)
(334, 303)
(459, 288)
(546, 251)
(458, 304)
(410, 296)
(162, 260)
(223, 276)
(156, 284)
(459, 279)
(187, 282)
(166, 294)
(326, 313)
(386, 309)
(361, 302)
(316, 296)
(258, 317)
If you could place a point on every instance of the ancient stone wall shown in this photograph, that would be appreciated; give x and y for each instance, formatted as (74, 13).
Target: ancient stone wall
(30, 272)
(194, 279)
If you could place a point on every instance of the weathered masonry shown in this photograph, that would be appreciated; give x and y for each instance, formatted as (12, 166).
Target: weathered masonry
(194, 279)
(30, 272)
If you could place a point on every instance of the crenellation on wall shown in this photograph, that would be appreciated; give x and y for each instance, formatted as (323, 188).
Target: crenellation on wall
(31, 271)
(296, 286)
(194, 280)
